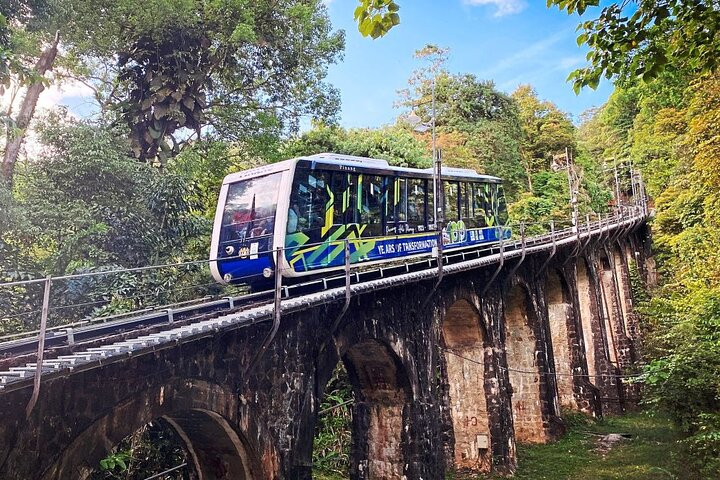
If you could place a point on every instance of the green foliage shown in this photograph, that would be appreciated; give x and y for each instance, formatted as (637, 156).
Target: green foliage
(670, 129)
(185, 66)
(331, 446)
(639, 39)
(84, 205)
(19, 20)
(546, 130)
(152, 449)
(115, 461)
(395, 144)
(375, 18)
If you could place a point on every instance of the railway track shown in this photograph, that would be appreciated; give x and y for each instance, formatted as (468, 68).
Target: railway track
(83, 347)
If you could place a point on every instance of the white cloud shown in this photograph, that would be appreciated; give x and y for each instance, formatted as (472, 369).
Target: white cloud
(504, 7)
(533, 53)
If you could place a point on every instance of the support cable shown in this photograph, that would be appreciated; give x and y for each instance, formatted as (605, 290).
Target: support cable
(554, 374)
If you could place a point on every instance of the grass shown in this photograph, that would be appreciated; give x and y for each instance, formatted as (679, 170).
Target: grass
(647, 456)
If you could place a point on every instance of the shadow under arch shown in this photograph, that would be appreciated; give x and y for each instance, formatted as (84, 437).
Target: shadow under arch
(560, 315)
(464, 345)
(200, 413)
(586, 301)
(382, 393)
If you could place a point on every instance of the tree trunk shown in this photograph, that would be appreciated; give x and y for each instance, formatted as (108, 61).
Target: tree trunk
(16, 135)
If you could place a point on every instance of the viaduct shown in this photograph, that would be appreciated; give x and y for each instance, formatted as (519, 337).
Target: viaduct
(447, 375)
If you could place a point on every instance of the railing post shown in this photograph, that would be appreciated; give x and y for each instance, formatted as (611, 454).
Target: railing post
(346, 306)
(276, 317)
(440, 256)
(278, 288)
(500, 265)
(347, 274)
(41, 348)
(522, 255)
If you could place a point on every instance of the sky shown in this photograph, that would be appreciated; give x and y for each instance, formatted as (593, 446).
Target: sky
(511, 42)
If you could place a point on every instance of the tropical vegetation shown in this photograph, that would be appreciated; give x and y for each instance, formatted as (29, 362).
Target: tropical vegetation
(189, 91)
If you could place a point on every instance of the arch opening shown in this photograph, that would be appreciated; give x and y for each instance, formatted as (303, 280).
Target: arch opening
(154, 448)
(465, 360)
(560, 313)
(585, 296)
(625, 290)
(521, 352)
(381, 392)
(191, 419)
(607, 284)
(189, 444)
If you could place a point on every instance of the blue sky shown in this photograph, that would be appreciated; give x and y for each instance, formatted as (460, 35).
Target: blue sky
(511, 42)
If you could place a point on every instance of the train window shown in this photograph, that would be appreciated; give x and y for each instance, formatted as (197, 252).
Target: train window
(502, 215)
(337, 187)
(352, 192)
(250, 208)
(370, 199)
(390, 185)
(451, 201)
(309, 201)
(416, 204)
(396, 205)
(465, 196)
(481, 206)
(431, 208)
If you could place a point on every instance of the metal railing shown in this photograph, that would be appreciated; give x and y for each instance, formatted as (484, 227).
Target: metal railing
(598, 227)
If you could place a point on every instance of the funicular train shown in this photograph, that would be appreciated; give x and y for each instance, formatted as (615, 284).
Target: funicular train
(311, 205)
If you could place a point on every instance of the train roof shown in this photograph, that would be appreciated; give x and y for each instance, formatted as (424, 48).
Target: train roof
(352, 163)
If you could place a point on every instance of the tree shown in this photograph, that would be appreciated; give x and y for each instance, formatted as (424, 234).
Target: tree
(395, 144)
(479, 124)
(375, 18)
(639, 38)
(23, 42)
(546, 131)
(233, 69)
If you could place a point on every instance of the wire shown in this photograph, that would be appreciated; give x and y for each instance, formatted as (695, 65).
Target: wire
(170, 470)
(553, 374)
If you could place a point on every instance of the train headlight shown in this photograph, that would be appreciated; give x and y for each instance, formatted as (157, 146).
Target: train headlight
(267, 272)
(227, 277)
(229, 250)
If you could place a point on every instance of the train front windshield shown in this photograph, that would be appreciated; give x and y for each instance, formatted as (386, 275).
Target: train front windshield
(248, 224)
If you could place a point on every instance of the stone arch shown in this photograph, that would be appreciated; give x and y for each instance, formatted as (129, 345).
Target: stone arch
(201, 414)
(464, 341)
(523, 371)
(382, 391)
(560, 314)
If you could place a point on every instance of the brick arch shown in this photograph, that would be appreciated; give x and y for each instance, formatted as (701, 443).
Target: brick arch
(523, 370)
(560, 318)
(200, 412)
(465, 344)
(382, 392)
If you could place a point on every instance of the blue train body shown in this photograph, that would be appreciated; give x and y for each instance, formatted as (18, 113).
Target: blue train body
(310, 207)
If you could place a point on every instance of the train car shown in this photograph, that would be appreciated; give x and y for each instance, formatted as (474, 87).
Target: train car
(311, 205)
